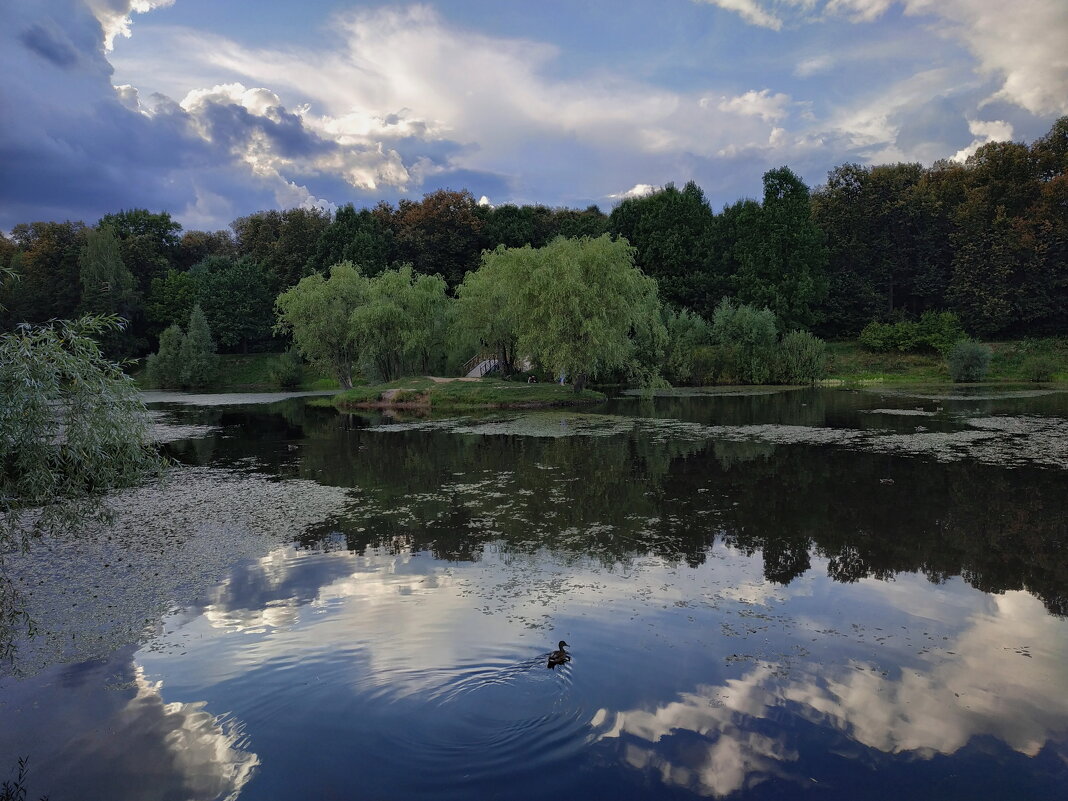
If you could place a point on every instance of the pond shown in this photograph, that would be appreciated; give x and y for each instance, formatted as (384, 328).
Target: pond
(766, 594)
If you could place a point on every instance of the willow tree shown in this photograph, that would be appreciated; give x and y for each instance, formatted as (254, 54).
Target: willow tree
(582, 309)
(400, 329)
(317, 312)
(72, 425)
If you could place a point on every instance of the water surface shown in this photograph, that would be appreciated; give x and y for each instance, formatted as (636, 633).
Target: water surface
(768, 594)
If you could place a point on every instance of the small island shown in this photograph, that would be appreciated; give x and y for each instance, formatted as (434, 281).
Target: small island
(435, 393)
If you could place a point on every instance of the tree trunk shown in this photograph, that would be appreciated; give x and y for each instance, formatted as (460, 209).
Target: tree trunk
(580, 382)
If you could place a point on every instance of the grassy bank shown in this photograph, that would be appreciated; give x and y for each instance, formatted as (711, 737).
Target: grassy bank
(252, 372)
(1009, 361)
(493, 393)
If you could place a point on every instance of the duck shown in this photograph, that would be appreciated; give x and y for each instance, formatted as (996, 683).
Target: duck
(559, 656)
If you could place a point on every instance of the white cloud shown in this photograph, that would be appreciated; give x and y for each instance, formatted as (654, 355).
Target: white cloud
(115, 16)
(1022, 42)
(749, 10)
(638, 190)
(859, 10)
(769, 107)
(993, 131)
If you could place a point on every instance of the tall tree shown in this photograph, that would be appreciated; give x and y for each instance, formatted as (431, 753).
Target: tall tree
(442, 233)
(199, 362)
(671, 232)
(47, 262)
(237, 301)
(149, 242)
(780, 254)
(108, 288)
(282, 242)
(360, 237)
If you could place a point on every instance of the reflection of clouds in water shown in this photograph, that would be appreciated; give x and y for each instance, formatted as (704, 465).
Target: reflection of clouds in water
(732, 757)
(103, 730)
(975, 686)
(204, 751)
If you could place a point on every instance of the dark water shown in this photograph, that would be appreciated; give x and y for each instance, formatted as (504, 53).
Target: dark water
(807, 594)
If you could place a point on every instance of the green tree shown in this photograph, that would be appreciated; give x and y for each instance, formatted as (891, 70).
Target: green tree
(47, 264)
(108, 287)
(171, 299)
(164, 367)
(149, 242)
(317, 312)
(485, 315)
(199, 362)
(359, 237)
(672, 233)
(584, 310)
(195, 246)
(400, 327)
(780, 255)
(237, 302)
(282, 242)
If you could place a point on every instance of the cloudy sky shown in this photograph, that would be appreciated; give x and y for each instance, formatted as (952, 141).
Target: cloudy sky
(211, 109)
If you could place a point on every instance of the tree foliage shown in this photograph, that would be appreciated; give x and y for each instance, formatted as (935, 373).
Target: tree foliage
(401, 327)
(199, 361)
(582, 309)
(317, 313)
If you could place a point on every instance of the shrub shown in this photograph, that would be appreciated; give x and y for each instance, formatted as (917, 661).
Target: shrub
(708, 364)
(801, 358)
(164, 367)
(1039, 368)
(199, 360)
(968, 361)
(747, 336)
(939, 331)
(288, 371)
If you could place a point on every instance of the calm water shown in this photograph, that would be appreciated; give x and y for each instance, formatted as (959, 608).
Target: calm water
(804, 594)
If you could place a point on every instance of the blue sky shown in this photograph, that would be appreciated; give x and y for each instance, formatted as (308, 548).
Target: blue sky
(212, 109)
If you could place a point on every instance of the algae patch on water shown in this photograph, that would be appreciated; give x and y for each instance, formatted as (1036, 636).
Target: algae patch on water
(95, 590)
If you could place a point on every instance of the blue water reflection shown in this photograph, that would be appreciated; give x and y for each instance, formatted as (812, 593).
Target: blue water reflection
(748, 618)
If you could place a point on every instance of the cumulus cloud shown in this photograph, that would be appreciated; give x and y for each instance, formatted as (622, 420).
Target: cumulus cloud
(993, 131)
(769, 107)
(638, 190)
(115, 16)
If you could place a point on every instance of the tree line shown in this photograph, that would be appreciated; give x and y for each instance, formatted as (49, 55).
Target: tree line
(986, 239)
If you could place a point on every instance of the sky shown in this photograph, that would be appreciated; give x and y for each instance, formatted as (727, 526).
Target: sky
(213, 109)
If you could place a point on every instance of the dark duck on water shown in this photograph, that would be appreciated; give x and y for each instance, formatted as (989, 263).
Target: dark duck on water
(559, 656)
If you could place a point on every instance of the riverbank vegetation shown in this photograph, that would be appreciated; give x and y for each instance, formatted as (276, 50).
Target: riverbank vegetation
(881, 252)
(435, 394)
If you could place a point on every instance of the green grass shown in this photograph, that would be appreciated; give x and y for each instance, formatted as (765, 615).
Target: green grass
(246, 372)
(485, 393)
(850, 363)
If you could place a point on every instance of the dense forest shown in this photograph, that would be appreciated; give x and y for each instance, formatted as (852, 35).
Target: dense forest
(986, 239)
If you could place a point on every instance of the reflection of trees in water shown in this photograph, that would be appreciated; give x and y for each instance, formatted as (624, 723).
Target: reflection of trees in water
(619, 497)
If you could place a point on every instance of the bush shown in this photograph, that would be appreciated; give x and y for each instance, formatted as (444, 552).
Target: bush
(747, 336)
(1039, 368)
(968, 361)
(288, 371)
(936, 331)
(801, 358)
(164, 368)
(939, 331)
(708, 364)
